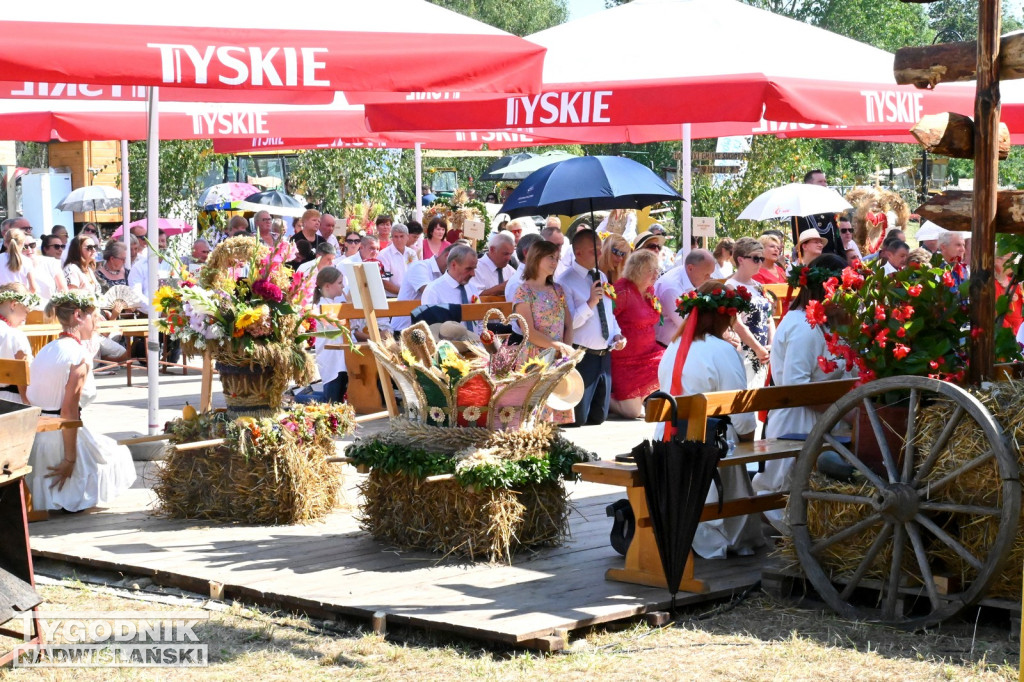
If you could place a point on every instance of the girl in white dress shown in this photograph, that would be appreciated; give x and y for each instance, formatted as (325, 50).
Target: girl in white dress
(72, 469)
(698, 361)
(795, 362)
(15, 302)
(330, 362)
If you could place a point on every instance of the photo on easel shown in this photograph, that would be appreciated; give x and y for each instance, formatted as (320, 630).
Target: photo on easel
(374, 282)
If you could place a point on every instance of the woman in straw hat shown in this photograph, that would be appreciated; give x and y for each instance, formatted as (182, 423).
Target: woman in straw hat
(15, 302)
(697, 361)
(72, 469)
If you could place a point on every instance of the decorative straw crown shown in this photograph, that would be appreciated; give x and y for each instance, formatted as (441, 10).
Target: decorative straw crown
(805, 276)
(74, 299)
(721, 299)
(26, 298)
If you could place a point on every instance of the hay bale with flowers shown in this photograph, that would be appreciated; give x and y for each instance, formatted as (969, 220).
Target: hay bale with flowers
(502, 491)
(270, 470)
(253, 314)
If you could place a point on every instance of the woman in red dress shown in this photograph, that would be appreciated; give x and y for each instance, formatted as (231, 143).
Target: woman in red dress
(1003, 275)
(638, 312)
(771, 272)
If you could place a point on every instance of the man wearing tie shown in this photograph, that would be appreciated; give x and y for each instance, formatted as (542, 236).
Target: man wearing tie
(454, 285)
(594, 328)
(493, 270)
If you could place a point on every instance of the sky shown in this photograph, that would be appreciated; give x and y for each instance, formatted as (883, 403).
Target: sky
(581, 8)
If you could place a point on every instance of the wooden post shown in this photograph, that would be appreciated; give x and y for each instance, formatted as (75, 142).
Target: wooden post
(986, 185)
(206, 383)
(370, 315)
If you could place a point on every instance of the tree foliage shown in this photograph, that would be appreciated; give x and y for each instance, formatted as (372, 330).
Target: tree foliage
(520, 18)
(182, 167)
(333, 178)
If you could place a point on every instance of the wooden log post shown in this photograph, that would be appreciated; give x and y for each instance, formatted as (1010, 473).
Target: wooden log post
(953, 209)
(927, 66)
(952, 135)
(986, 185)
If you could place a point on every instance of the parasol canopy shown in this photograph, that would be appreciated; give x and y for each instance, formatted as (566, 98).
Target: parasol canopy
(794, 199)
(91, 198)
(588, 183)
(171, 226)
(521, 170)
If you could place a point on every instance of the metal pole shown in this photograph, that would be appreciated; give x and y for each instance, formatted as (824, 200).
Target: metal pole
(419, 183)
(687, 228)
(126, 209)
(152, 216)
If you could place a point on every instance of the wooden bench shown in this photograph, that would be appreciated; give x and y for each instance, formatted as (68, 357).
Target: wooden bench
(16, 372)
(643, 562)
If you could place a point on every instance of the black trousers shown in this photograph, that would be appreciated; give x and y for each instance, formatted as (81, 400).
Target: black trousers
(596, 371)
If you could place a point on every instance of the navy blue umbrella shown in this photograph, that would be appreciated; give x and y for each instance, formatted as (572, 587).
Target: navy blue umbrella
(588, 183)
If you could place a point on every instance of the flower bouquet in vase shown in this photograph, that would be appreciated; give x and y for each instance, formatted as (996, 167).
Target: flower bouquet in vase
(912, 322)
(254, 316)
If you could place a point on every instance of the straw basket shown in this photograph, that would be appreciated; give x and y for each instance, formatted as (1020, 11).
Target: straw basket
(251, 387)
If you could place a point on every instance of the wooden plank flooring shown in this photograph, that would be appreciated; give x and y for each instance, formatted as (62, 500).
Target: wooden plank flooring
(334, 568)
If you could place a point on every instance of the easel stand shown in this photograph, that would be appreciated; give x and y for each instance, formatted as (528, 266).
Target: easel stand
(370, 315)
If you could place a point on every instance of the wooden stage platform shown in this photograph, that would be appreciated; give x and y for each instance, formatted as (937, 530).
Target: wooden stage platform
(333, 569)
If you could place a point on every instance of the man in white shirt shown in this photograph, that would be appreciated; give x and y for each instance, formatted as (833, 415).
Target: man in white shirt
(552, 232)
(327, 223)
(395, 258)
(454, 286)
(138, 276)
(493, 270)
(698, 266)
(594, 328)
(417, 277)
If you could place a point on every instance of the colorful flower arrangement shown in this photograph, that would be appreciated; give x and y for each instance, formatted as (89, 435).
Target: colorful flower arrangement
(247, 307)
(914, 321)
(722, 299)
(458, 210)
(655, 304)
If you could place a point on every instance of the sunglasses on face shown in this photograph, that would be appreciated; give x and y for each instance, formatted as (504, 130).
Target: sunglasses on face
(90, 247)
(353, 241)
(29, 247)
(89, 230)
(619, 253)
(652, 247)
(756, 259)
(846, 230)
(58, 246)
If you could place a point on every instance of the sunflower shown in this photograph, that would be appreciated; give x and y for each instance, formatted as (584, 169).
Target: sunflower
(162, 294)
(247, 317)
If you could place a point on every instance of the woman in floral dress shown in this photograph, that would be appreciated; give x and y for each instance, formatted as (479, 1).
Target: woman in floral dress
(542, 304)
(638, 312)
(748, 255)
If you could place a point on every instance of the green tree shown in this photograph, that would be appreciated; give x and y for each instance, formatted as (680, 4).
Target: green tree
(32, 154)
(183, 167)
(520, 18)
(334, 178)
(885, 24)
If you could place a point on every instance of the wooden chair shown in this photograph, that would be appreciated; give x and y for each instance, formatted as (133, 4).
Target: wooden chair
(643, 562)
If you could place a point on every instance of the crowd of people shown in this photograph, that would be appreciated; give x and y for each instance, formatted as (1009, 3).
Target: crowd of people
(619, 295)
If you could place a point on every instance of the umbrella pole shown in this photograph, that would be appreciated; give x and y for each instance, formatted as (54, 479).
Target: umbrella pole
(152, 217)
(125, 203)
(686, 229)
(417, 192)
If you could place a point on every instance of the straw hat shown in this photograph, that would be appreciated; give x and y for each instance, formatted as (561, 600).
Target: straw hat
(464, 340)
(645, 238)
(567, 393)
(807, 235)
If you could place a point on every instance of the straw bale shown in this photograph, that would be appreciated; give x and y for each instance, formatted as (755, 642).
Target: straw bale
(481, 524)
(290, 482)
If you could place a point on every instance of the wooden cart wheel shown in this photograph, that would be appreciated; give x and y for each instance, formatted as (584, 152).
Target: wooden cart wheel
(886, 546)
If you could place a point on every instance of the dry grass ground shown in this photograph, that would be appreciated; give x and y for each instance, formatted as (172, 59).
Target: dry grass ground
(758, 639)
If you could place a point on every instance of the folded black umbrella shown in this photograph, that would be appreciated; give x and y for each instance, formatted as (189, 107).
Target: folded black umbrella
(676, 476)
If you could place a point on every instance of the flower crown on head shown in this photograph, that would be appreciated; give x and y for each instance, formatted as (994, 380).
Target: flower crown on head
(26, 298)
(805, 276)
(74, 299)
(722, 299)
